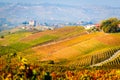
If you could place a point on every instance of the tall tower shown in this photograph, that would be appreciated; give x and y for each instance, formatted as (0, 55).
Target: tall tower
(32, 23)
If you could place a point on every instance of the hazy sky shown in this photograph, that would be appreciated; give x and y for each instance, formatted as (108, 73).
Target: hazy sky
(113, 3)
(60, 10)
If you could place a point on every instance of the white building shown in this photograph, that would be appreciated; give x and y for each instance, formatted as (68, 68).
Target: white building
(89, 26)
(32, 23)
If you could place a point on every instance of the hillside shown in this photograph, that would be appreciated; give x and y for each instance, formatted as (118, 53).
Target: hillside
(68, 43)
(75, 47)
(65, 53)
(22, 40)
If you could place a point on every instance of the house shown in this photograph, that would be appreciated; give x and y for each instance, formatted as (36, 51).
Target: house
(97, 26)
(89, 26)
(119, 25)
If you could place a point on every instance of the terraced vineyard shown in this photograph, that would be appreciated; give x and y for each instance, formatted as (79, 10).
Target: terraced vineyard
(115, 62)
(96, 58)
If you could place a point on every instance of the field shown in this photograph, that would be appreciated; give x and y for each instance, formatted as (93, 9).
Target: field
(22, 40)
(69, 53)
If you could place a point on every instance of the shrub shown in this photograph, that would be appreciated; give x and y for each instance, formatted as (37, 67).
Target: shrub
(110, 25)
(2, 36)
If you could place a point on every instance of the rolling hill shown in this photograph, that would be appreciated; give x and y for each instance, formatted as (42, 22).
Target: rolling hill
(68, 52)
(67, 44)
(75, 47)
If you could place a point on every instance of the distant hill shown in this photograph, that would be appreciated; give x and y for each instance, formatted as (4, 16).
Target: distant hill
(56, 13)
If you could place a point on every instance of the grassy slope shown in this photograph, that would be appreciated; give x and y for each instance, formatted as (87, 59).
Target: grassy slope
(24, 40)
(14, 37)
(10, 43)
(70, 43)
(52, 35)
(76, 47)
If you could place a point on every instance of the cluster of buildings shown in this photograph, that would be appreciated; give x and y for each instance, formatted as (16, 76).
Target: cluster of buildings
(32, 25)
(92, 25)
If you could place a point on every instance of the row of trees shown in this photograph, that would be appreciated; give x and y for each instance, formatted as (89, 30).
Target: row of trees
(110, 25)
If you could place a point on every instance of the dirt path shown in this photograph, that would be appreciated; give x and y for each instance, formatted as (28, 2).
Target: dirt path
(47, 50)
(58, 41)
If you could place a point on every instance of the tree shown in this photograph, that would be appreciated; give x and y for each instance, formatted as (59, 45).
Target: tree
(110, 25)
(2, 36)
(25, 23)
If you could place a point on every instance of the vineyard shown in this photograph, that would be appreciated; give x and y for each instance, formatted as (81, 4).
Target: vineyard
(22, 69)
(68, 53)
(115, 62)
(19, 68)
(95, 58)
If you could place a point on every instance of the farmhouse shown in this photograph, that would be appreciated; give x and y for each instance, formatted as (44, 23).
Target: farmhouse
(89, 26)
